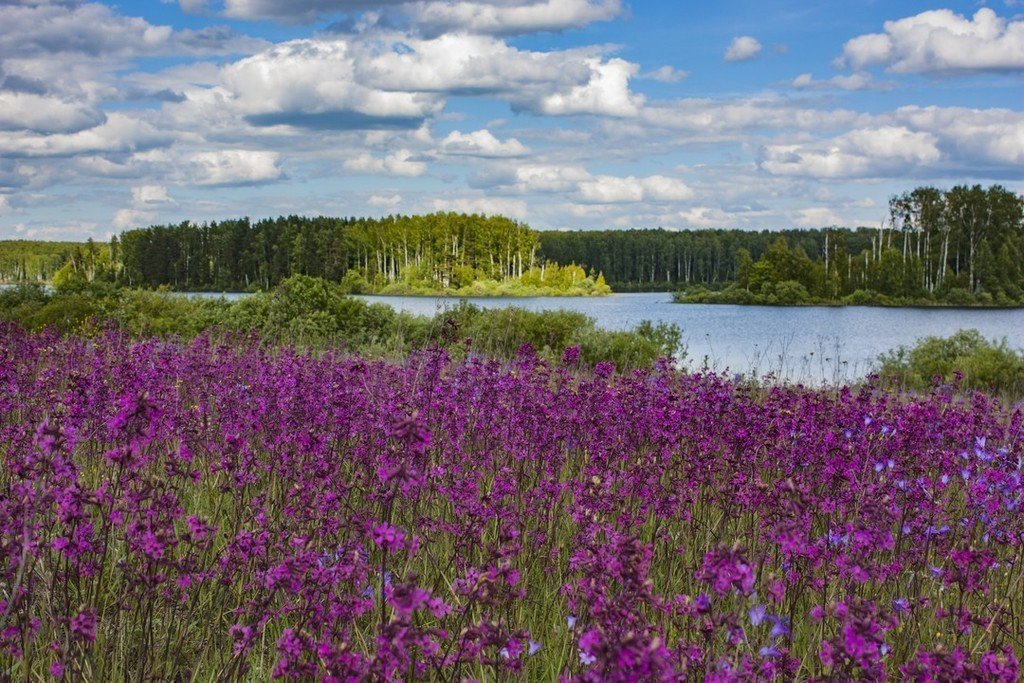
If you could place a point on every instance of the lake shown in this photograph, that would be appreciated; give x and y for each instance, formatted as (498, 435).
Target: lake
(810, 344)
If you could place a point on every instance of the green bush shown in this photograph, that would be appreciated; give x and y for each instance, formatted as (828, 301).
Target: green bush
(966, 357)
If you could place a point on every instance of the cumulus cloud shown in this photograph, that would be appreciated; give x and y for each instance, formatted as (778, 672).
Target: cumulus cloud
(399, 163)
(234, 167)
(865, 152)
(119, 133)
(312, 83)
(991, 137)
(94, 30)
(606, 92)
(481, 143)
(394, 81)
(941, 42)
(45, 114)
(742, 48)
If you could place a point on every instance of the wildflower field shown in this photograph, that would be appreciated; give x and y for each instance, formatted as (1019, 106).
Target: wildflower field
(226, 510)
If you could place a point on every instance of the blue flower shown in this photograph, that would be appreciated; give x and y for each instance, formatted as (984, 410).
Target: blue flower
(571, 622)
(534, 647)
(587, 659)
(756, 614)
(780, 627)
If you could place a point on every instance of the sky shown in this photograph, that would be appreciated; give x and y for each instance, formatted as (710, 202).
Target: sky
(565, 114)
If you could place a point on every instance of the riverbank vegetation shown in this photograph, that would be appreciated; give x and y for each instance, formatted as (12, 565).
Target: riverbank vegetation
(313, 312)
(964, 361)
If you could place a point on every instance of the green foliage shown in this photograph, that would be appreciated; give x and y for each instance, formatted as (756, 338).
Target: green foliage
(313, 312)
(23, 261)
(966, 359)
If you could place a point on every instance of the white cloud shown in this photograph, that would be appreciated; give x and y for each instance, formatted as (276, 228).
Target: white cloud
(46, 114)
(607, 92)
(606, 189)
(385, 201)
(391, 80)
(399, 163)
(5, 206)
(234, 167)
(143, 195)
(985, 136)
(482, 143)
(856, 81)
(119, 133)
(666, 74)
(548, 177)
(125, 219)
(941, 41)
(742, 48)
(94, 30)
(864, 152)
(708, 117)
(313, 83)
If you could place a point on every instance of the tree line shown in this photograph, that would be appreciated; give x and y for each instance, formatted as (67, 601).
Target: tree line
(443, 249)
(963, 244)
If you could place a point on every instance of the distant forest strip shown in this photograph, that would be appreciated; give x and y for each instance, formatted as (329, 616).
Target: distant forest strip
(397, 254)
(960, 246)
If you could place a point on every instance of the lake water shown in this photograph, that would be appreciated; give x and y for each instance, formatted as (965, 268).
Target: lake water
(809, 344)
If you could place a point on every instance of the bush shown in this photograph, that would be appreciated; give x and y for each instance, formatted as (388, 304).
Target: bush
(966, 359)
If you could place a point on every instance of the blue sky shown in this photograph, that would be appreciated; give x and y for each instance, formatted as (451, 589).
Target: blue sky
(577, 114)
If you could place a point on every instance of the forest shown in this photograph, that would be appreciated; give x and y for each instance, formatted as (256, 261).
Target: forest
(447, 252)
(964, 245)
(33, 260)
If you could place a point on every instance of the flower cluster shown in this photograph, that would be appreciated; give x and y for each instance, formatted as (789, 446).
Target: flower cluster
(227, 510)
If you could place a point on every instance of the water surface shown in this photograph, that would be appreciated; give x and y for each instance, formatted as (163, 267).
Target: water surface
(807, 343)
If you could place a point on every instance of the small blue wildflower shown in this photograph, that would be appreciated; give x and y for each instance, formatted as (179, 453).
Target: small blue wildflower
(571, 622)
(534, 647)
(587, 659)
(768, 652)
(756, 614)
(780, 627)
(901, 605)
(504, 653)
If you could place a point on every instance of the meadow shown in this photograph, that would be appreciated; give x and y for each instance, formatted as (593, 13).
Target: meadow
(223, 508)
